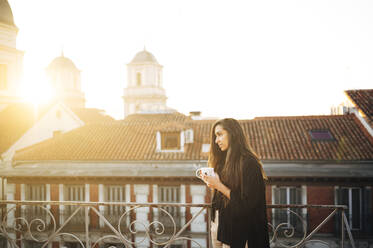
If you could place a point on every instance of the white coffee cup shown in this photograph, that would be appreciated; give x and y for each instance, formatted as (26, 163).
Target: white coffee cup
(205, 171)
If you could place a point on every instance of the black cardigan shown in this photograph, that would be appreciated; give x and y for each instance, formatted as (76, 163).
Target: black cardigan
(245, 216)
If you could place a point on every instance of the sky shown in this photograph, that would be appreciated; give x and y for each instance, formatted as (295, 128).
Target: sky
(240, 59)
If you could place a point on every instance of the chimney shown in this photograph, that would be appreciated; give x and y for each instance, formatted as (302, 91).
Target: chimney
(56, 133)
(196, 115)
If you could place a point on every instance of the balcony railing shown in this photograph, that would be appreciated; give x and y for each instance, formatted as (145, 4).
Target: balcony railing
(96, 224)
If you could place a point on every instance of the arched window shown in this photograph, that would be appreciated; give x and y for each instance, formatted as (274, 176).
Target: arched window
(138, 79)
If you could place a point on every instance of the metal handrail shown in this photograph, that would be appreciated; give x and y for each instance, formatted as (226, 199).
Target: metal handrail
(14, 227)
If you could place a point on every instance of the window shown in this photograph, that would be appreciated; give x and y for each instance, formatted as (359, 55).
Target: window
(3, 77)
(169, 194)
(74, 193)
(173, 245)
(286, 196)
(170, 141)
(115, 193)
(189, 136)
(113, 245)
(321, 135)
(32, 244)
(3, 241)
(138, 79)
(72, 245)
(351, 197)
(34, 192)
(205, 148)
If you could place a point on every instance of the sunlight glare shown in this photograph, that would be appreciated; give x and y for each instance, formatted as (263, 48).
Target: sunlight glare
(37, 91)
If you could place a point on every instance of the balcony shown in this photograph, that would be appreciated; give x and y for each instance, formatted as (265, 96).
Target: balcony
(101, 224)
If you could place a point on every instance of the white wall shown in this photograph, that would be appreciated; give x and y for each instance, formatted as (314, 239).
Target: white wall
(43, 129)
(142, 191)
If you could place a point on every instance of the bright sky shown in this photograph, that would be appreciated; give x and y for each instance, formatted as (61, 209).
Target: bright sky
(225, 58)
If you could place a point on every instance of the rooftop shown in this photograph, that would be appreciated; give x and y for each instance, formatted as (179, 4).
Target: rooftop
(272, 138)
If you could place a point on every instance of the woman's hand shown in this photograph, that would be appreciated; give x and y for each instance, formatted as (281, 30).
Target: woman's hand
(213, 182)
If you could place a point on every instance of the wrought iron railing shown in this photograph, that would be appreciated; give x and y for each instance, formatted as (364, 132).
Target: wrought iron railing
(139, 225)
(288, 234)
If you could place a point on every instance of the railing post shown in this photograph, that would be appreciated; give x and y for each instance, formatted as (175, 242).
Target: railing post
(349, 231)
(342, 228)
(209, 227)
(87, 243)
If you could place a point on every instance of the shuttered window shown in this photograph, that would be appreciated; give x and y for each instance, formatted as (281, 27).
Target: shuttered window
(169, 194)
(74, 193)
(35, 192)
(115, 193)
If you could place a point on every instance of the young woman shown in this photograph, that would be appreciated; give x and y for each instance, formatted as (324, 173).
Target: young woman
(239, 206)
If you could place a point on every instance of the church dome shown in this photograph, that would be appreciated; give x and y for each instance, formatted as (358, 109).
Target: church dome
(6, 15)
(62, 62)
(144, 56)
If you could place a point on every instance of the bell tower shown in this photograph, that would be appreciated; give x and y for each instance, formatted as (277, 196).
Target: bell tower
(144, 92)
(64, 78)
(11, 59)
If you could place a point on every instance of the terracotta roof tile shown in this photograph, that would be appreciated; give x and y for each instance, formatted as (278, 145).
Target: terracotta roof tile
(363, 99)
(273, 138)
(89, 115)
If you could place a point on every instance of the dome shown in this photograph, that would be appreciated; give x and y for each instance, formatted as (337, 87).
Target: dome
(6, 15)
(62, 63)
(144, 56)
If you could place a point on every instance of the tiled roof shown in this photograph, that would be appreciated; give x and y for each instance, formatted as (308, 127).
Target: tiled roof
(288, 138)
(363, 99)
(15, 120)
(89, 115)
(158, 119)
(273, 138)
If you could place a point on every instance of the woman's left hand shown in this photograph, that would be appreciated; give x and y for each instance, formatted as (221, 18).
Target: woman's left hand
(215, 183)
(212, 182)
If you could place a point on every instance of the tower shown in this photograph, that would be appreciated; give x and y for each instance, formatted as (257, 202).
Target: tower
(11, 59)
(144, 92)
(64, 78)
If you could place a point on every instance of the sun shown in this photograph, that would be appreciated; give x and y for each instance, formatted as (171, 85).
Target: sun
(36, 90)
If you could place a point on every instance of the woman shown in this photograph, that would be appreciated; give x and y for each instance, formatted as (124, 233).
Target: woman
(239, 206)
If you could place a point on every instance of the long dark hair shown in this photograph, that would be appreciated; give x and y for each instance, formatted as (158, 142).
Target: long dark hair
(229, 164)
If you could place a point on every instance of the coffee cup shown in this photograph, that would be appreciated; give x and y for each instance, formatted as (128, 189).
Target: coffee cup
(205, 171)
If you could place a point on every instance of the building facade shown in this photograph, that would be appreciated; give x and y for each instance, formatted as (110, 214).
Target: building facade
(152, 158)
(69, 153)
